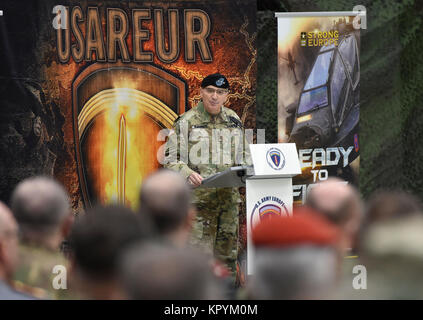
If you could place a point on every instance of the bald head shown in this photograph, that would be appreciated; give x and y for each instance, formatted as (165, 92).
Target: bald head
(40, 205)
(340, 203)
(337, 200)
(165, 197)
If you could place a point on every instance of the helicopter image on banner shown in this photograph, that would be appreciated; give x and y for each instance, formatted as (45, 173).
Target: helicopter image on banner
(291, 66)
(327, 110)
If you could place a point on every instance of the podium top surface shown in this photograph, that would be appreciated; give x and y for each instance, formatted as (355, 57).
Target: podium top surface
(231, 177)
(277, 160)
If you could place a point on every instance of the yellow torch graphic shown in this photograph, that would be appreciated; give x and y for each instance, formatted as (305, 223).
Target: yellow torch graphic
(121, 168)
(119, 111)
(120, 127)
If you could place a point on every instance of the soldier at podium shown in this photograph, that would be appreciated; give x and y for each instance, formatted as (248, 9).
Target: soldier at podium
(206, 140)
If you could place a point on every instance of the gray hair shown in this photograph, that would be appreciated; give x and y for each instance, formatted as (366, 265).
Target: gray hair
(337, 200)
(165, 198)
(159, 272)
(40, 204)
(305, 272)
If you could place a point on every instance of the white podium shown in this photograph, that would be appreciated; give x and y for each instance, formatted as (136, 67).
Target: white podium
(268, 185)
(269, 189)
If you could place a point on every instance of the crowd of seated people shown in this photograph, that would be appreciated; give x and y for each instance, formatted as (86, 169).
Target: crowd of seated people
(336, 246)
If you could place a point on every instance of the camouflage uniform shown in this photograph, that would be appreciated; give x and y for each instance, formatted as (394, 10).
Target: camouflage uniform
(216, 226)
(35, 272)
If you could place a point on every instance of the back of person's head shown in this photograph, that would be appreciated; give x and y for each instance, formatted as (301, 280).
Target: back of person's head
(8, 243)
(337, 200)
(99, 237)
(41, 206)
(302, 272)
(166, 198)
(156, 271)
(294, 258)
(391, 249)
(9, 255)
(385, 208)
(340, 203)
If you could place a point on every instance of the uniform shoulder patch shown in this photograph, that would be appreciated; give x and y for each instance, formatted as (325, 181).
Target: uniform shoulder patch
(183, 117)
(188, 115)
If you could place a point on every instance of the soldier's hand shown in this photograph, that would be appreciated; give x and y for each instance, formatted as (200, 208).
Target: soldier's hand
(195, 179)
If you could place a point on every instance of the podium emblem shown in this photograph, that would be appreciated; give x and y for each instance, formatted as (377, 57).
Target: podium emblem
(267, 208)
(275, 158)
(269, 211)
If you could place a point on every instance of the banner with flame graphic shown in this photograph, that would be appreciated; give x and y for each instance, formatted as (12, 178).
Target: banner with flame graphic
(87, 87)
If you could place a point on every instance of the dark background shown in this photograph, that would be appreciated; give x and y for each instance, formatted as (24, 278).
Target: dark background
(391, 90)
